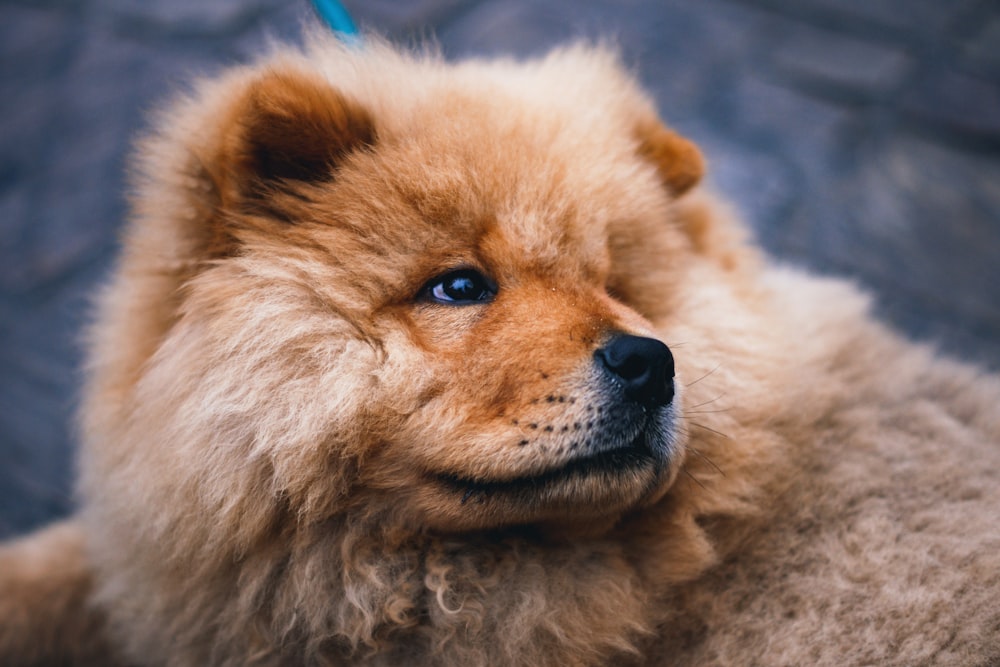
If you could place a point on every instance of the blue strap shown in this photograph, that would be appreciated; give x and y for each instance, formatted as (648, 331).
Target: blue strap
(337, 18)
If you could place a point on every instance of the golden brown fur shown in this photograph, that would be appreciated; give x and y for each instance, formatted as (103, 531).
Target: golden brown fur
(292, 456)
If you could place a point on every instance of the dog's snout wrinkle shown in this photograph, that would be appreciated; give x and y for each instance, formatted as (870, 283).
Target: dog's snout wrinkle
(644, 367)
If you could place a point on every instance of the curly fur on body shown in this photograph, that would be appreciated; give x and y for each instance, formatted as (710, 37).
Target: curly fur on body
(278, 422)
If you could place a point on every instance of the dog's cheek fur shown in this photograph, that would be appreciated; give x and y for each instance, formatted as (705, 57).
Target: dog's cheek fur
(250, 458)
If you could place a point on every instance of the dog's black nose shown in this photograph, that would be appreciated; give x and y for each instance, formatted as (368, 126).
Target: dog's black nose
(643, 366)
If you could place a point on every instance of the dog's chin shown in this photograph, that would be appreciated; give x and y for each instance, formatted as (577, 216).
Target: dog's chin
(588, 490)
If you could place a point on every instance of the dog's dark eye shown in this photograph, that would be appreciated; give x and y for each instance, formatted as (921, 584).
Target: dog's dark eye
(459, 288)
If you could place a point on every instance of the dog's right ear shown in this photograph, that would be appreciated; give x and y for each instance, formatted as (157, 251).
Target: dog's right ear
(678, 161)
(287, 128)
(710, 226)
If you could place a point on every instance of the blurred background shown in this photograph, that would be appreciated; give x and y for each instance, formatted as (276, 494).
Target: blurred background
(859, 137)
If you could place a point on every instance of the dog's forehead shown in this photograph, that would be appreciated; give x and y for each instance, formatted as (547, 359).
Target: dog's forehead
(516, 182)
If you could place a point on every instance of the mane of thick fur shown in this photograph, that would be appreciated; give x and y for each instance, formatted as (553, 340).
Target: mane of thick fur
(260, 507)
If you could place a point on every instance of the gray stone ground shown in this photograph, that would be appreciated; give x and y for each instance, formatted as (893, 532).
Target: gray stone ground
(860, 138)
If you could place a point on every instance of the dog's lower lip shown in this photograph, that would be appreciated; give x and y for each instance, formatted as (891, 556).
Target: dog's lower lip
(636, 454)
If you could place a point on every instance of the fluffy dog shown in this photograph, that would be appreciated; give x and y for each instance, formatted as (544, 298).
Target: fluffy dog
(408, 363)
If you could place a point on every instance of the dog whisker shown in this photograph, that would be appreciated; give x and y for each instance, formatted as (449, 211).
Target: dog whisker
(709, 428)
(691, 384)
(711, 400)
(688, 413)
(693, 478)
(704, 457)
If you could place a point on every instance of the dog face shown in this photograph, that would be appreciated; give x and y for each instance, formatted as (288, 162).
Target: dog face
(437, 310)
(537, 399)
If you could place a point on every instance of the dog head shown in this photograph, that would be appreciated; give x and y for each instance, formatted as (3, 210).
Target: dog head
(432, 298)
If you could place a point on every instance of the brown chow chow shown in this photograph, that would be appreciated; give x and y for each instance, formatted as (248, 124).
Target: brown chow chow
(408, 363)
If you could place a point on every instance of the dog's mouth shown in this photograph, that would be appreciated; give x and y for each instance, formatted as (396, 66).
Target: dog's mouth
(635, 456)
(603, 483)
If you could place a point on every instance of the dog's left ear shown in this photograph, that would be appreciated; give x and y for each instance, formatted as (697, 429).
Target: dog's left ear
(678, 160)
